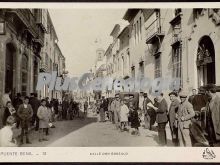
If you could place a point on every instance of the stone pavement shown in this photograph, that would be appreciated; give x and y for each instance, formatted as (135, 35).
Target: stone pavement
(88, 132)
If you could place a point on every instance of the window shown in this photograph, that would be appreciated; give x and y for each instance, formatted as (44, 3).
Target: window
(140, 29)
(133, 71)
(24, 75)
(118, 64)
(46, 59)
(134, 34)
(141, 68)
(177, 63)
(137, 31)
(157, 70)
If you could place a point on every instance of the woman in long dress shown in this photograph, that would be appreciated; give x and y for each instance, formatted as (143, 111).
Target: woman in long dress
(102, 113)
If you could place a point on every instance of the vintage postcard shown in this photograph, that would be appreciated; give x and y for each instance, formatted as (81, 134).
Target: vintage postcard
(109, 82)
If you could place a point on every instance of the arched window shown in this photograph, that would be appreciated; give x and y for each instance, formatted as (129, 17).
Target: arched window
(24, 75)
(206, 61)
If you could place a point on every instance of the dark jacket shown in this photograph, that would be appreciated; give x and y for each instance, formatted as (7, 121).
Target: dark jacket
(214, 106)
(17, 102)
(25, 113)
(172, 112)
(146, 101)
(162, 112)
(35, 103)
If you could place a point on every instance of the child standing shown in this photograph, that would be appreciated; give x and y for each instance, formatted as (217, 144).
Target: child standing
(44, 118)
(135, 122)
(124, 116)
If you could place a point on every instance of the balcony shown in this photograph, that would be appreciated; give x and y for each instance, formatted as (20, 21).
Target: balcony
(43, 68)
(25, 16)
(154, 31)
(176, 19)
(40, 37)
(176, 39)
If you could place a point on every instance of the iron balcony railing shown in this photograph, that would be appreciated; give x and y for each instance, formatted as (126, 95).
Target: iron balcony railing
(154, 28)
(176, 36)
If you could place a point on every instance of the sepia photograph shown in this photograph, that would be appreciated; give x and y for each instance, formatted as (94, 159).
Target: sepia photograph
(110, 77)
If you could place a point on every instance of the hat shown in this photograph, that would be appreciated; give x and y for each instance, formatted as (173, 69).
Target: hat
(183, 93)
(210, 86)
(173, 93)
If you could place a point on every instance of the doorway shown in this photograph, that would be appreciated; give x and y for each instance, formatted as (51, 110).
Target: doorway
(9, 67)
(206, 62)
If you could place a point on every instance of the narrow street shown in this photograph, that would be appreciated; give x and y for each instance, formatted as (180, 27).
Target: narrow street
(90, 133)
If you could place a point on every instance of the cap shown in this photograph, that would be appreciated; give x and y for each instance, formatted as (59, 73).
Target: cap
(183, 93)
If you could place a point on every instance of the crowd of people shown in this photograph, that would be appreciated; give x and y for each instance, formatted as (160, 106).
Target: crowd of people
(193, 120)
(27, 113)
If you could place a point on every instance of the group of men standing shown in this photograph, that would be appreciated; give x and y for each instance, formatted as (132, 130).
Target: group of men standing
(196, 119)
(193, 120)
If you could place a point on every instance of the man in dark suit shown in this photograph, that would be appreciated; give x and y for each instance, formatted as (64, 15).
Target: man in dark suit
(35, 103)
(172, 117)
(161, 118)
(192, 96)
(147, 116)
(213, 115)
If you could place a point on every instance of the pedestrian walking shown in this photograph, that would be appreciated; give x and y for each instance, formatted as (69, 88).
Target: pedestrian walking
(112, 107)
(60, 111)
(102, 110)
(110, 111)
(147, 118)
(172, 117)
(65, 107)
(35, 103)
(86, 105)
(55, 105)
(116, 110)
(25, 114)
(134, 119)
(184, 115)
(124, 112)
(44, 118)
(161, 118)
(6, 133)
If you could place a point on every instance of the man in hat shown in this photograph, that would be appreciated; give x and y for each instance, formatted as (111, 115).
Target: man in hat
(115, 105)
(147, 123)
(184, 115)
(213, 115)
(161, 118)
(172, 117)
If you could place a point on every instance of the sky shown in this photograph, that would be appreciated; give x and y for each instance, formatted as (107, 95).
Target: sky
(77, 31)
